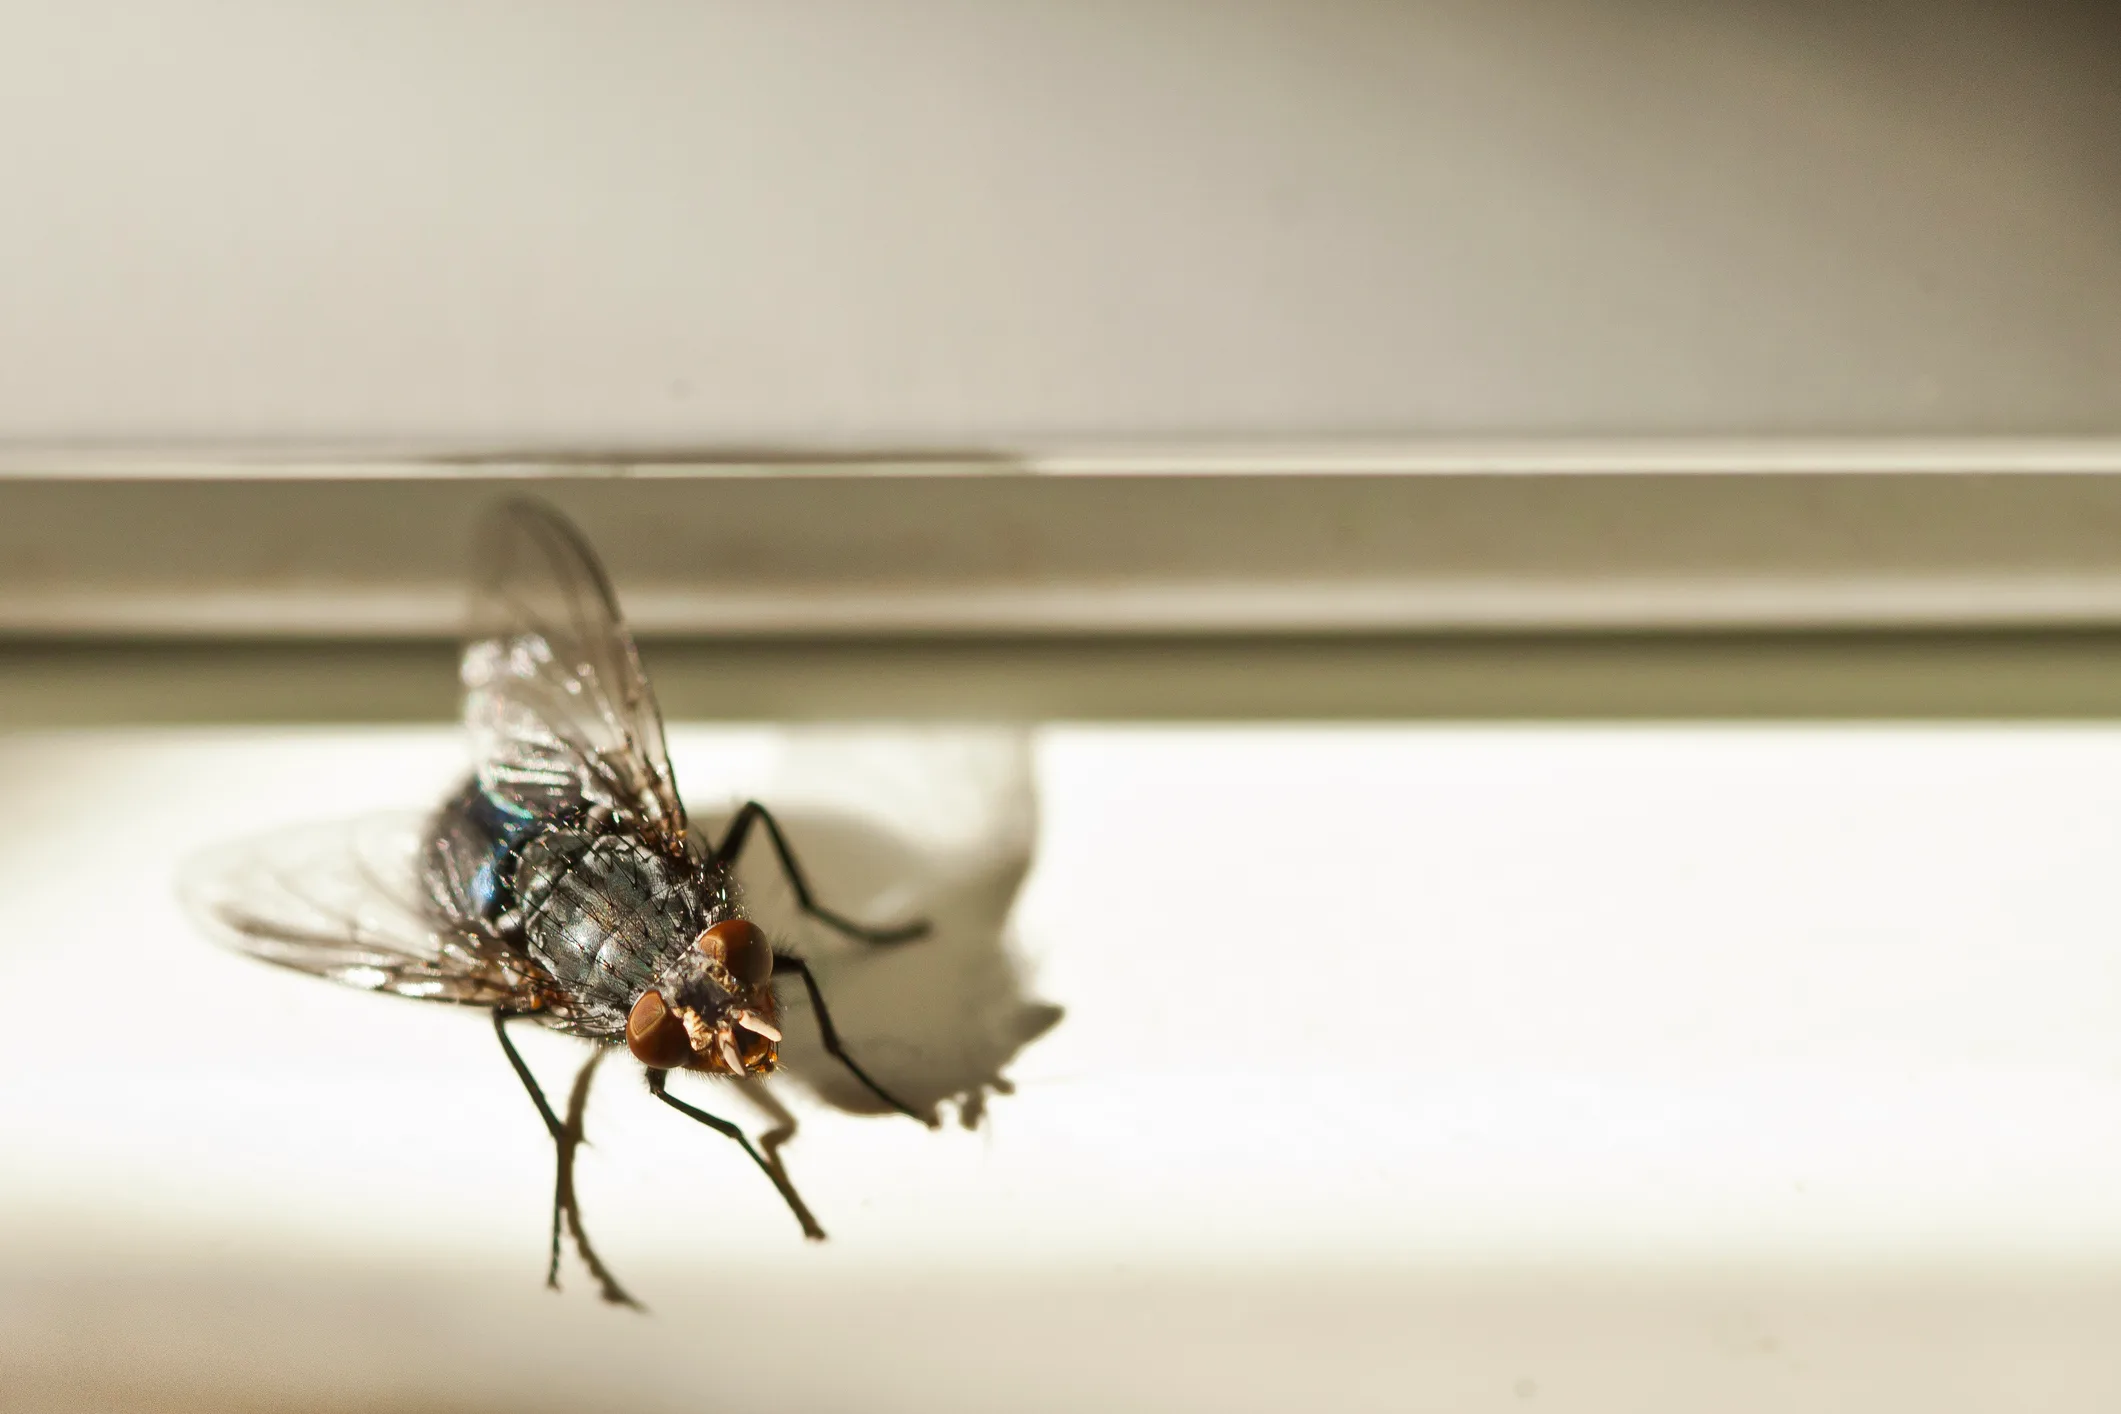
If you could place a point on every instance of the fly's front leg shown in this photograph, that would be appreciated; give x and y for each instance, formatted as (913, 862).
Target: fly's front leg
(726, 853)
(777, 1114)
(732, 845)
(829, 1034)
(721, 1126)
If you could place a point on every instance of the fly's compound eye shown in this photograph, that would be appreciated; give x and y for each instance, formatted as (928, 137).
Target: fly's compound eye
(655, 1035)
(740, 947)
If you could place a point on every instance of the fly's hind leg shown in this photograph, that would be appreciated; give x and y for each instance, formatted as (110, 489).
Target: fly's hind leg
(566, 1138)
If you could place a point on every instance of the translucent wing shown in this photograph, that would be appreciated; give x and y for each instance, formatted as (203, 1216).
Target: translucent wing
(559, 710)
(344, 900)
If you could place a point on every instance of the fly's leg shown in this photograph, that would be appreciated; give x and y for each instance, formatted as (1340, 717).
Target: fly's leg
(725, 854)
(722, 1126)
(789, 962)
(739, 835)
(784, 1125)
(558, 1131)
(565, 1139)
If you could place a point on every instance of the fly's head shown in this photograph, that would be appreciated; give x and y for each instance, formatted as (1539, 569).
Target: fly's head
(712, 1009)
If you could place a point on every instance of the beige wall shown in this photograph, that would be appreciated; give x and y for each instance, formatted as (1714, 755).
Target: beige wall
(934, 222)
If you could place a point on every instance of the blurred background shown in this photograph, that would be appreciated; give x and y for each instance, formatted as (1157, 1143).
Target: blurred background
(1493, 631)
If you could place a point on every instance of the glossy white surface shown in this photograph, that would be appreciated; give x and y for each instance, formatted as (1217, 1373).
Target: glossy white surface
(1613, 1068)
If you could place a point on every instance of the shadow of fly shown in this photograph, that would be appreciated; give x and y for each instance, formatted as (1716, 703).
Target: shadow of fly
(560, 884)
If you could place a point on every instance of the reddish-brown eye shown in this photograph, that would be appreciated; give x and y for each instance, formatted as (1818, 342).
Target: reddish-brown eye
(655, 1035)
(738, 945)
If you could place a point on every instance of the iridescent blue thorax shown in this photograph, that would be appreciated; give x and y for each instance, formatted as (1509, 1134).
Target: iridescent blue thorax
(605, 913)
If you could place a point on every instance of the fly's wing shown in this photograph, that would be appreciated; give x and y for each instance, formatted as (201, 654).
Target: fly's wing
(344, 900)
(560, 713)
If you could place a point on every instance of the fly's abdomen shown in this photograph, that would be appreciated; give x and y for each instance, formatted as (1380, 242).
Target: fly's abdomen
(605, 924)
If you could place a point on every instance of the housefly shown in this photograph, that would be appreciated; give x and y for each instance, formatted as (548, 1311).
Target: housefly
(561, 882)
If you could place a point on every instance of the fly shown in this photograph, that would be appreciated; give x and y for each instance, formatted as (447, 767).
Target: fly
(561, 882)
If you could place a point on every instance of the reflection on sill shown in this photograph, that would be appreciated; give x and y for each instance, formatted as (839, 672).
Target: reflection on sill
(254, 1333)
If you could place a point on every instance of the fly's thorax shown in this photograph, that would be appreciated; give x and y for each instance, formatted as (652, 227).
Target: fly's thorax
(711, 1007)
(542, 861)
(607, 919)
